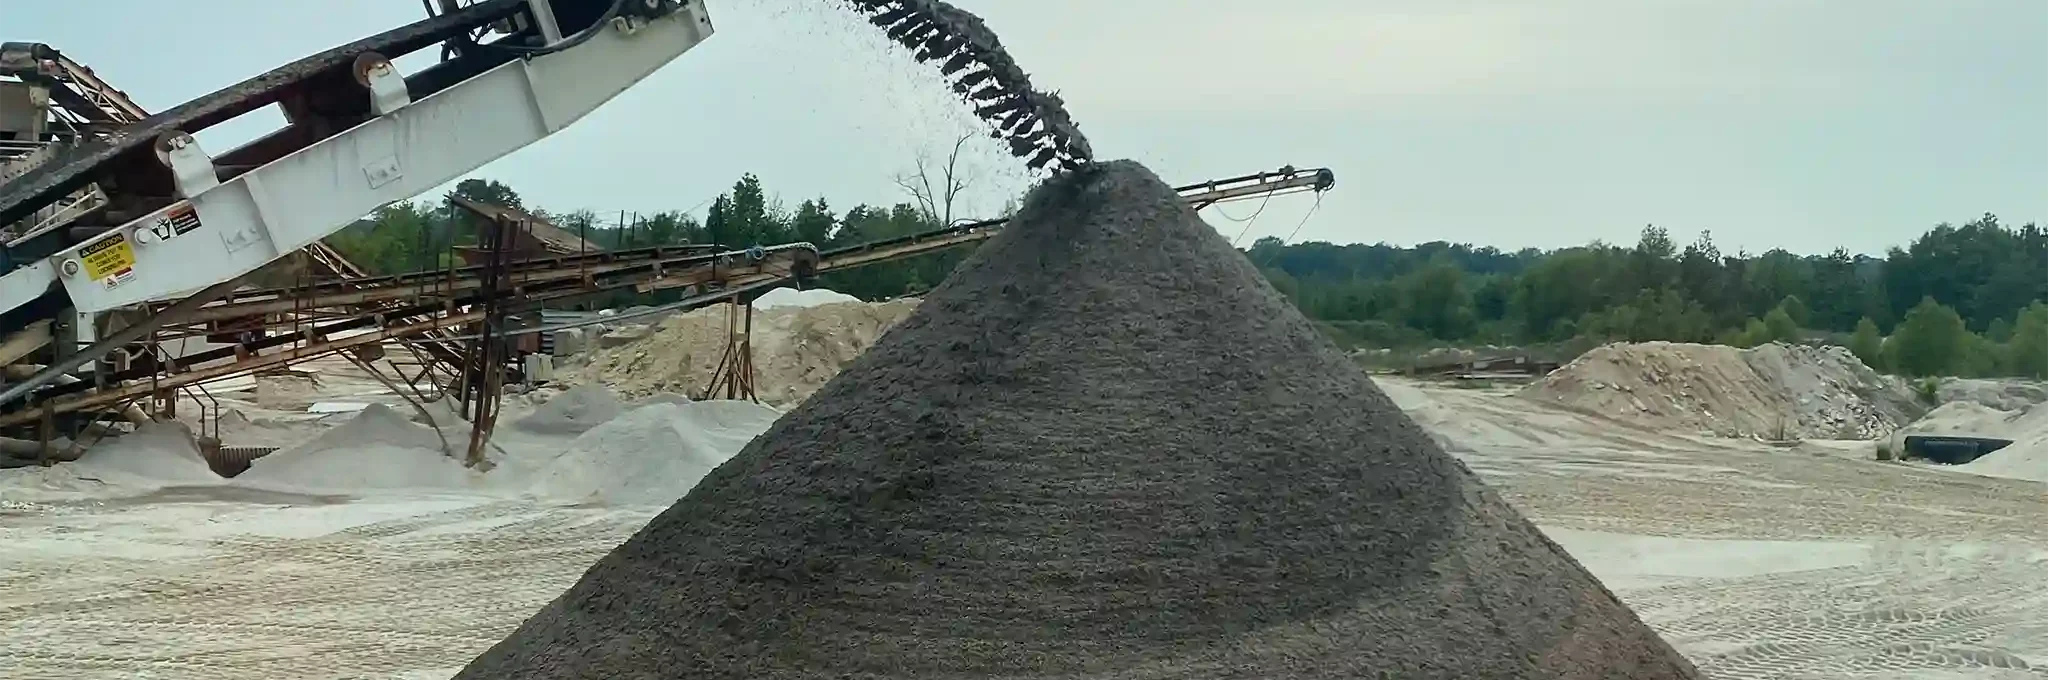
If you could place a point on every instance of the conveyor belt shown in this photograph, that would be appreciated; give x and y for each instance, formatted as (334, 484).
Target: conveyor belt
(545, 279)
(972, 59)
(445, 283)
(73, 168)
(567, 268)
(714, 271)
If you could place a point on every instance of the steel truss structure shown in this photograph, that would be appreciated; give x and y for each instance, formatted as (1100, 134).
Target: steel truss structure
(464, 310)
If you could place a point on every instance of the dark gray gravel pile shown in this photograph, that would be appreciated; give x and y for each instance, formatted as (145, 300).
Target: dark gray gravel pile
(1105, 447)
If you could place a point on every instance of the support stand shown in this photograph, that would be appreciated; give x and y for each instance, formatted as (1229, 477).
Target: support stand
(734, 376)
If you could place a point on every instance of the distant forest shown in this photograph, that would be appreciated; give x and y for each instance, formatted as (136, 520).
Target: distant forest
(1967, 300)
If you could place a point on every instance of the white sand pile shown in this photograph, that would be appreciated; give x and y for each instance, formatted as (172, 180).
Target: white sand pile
(654, 454)
(155, 456)
(1773, 390)
(791, 297)
(1963, 418)
(444, 413)
(572, 412)
(378, 449)
(2026, 457)
(157, 452)
(659, 398)
(2007, 394)
(255, 426)
(796, 350)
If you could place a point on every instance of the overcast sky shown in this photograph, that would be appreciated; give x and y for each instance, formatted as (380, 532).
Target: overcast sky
(1803, 124)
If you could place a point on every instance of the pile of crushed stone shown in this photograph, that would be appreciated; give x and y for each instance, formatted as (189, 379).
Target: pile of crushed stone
(1772, 391)
(153, 457)
(1105, 447)
(782, 298)
(378, 449)
(2004, 394)
(653, 454)
(574, 411)
(797, 349)
(1963, 418)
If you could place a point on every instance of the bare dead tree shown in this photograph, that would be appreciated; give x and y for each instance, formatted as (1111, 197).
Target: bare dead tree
(936, 189)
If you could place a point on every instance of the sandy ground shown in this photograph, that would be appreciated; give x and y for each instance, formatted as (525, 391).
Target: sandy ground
(1763, 562)
(201, 584)
(1757, 562)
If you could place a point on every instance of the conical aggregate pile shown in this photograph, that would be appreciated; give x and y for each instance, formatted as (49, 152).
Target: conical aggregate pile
(1103, 448)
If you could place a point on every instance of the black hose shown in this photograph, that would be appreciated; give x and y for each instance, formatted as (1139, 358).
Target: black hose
(617, 7)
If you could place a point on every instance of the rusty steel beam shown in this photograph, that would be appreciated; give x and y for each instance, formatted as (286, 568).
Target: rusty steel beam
(779, 264)
(259, 362)
(861, 258)
(113, 341)
(736, 280)
(419, 288)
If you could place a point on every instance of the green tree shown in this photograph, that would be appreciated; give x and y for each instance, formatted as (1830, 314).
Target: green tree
(489, 191)
(1929, 341)
(2000, 331)
(1797, 310)
(813, 222)
(1753, 333)
(1437, 301)
(1978, 357)
(2029, 346)
(1653, 315)
(1779, 326)
(1867, 344)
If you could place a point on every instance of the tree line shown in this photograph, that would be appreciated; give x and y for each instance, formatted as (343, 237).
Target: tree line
(1959, 300)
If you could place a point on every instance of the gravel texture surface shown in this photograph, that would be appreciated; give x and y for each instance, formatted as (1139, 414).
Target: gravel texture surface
(1105, 447)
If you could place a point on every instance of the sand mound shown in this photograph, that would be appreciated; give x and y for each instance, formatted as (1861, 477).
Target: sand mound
(1104, 447)
(378, 449)
(2026, 457)
(1770, 391)
(1965, 418)
(796, 350)
(158, 453)
(782, 298)
(154, 456)
(573, 412)
(652, 455)
(2006, 394)
(659, 398)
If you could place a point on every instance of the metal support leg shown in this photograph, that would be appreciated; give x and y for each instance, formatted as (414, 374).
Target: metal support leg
(544, 19)
(191, 169)
(385, 83)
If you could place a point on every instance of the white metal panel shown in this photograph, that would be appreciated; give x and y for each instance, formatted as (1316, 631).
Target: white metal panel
(24, 109)
(288, 204)
(565, 94)
(27, 283)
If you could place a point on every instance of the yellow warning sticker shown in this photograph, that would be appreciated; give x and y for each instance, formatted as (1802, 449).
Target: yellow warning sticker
(110, 261)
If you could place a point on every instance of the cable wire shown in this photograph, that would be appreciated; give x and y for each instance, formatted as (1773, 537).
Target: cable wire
(1248, 221)
(1304, 218)
(1297, 226)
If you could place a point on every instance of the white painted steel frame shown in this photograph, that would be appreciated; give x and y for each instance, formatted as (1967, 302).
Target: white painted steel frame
(290, 203)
